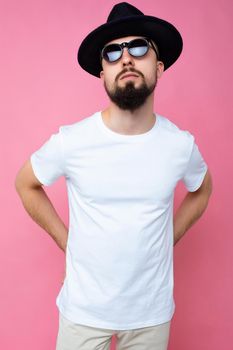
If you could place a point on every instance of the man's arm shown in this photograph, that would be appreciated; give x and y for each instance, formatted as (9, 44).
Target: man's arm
(39, 206)
(192, 207)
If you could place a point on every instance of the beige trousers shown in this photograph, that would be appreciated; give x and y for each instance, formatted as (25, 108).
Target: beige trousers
(73, 336)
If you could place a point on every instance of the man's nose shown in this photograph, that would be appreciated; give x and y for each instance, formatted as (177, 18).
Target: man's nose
(126, 57)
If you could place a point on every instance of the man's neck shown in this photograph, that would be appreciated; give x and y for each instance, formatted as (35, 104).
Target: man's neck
(127, 122)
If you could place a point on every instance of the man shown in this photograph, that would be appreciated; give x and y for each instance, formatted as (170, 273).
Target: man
(121, 165)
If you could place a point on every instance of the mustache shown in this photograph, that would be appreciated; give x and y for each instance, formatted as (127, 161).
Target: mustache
(131, 70)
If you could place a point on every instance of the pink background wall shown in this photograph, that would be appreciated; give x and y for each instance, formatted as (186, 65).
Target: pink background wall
(42, 87)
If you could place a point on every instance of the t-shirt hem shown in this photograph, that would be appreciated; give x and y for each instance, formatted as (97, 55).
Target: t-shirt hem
(117, 326)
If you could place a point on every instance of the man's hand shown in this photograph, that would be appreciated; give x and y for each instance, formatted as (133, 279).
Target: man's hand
(64, 273)
(64, 276)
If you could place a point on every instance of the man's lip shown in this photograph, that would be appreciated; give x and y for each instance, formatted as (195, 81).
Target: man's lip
(129, 75)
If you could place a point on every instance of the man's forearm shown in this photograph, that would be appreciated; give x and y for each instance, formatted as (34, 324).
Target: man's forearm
(40, 208)
(191, 208)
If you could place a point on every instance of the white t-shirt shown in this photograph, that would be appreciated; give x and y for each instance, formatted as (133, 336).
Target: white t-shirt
(119, 256)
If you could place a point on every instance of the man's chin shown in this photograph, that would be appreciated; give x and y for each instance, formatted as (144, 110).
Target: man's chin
(129, 96)
(130, 83)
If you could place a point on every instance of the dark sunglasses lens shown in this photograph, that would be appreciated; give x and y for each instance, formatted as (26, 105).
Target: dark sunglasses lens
(112, 52)
(138, 47)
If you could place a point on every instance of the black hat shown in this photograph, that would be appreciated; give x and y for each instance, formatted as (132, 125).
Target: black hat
(125, 20)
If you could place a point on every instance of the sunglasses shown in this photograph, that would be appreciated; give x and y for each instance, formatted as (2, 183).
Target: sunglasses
(136, 48)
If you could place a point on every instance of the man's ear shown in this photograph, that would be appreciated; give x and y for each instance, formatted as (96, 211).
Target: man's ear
(102, 74)
(160, 68)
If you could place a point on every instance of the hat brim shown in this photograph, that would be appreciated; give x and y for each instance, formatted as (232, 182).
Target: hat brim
(164, 34)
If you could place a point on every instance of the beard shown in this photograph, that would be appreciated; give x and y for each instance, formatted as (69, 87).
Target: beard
(128, 97)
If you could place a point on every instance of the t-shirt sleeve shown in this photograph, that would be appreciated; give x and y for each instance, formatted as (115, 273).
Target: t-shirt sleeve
(48, 161)
(196, 168)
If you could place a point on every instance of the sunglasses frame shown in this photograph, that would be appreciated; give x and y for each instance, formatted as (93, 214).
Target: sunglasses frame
(126, 44)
